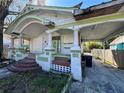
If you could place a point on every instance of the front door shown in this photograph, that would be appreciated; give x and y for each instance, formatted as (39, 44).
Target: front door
(56, 43)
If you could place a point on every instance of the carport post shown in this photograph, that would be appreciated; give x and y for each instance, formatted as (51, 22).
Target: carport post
(103, 44)
(76, 69)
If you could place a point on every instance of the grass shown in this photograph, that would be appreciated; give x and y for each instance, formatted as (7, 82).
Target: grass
(33, 82)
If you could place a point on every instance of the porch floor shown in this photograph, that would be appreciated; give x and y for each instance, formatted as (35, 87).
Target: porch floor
(100, 78)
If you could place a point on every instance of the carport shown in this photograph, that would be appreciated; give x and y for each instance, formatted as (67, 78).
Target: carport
(99, 28)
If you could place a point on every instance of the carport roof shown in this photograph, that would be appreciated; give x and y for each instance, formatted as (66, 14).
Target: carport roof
(98, 28)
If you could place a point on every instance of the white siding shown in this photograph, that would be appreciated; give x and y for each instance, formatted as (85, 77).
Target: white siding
(66, 43)
(38, 44)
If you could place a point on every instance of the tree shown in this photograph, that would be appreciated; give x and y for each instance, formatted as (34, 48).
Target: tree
(4, 6)
(88, 46)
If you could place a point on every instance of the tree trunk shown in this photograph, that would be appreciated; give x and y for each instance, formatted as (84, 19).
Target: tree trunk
(3, 14)
(4, 5)
(1, 34)
(1, 39)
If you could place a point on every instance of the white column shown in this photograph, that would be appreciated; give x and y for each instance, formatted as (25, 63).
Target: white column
(49, 40)
(48, 54)
(76, 41)
(20, 40)
(11, 52)
(12, 42)
(76, 69)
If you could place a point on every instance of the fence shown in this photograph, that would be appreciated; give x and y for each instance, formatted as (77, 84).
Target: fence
(114, 57)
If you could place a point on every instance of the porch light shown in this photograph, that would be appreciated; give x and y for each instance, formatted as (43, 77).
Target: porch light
(14, 33)
(49, 24)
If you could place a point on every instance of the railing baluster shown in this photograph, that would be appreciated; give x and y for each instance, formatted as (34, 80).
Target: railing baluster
(61, 69)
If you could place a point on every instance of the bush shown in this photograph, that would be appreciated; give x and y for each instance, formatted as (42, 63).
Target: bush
(91, 45)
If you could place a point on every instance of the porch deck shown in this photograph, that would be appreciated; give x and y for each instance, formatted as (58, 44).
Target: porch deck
(100, 79)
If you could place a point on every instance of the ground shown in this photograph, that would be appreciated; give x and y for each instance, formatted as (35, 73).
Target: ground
(33, 82)
(4, 72)
(101, 78)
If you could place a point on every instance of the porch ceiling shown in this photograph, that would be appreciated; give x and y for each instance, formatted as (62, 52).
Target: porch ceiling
(33, 30)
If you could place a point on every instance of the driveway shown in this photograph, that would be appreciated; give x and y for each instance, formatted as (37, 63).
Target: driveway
(100, 78)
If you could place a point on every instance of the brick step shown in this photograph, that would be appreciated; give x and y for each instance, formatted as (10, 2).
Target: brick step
(23, 65)
(28, 58)
(62, 63)
(17, 69)
(26, 64)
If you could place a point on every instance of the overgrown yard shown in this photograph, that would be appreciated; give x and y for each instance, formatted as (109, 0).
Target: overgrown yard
(33, 82)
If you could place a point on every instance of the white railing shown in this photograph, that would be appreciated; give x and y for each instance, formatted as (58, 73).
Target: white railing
(61, 69)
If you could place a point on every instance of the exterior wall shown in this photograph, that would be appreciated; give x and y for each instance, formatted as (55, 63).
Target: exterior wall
(6, 39)
(38, 2)
(119, 46)
(113, 47)
(16, 43)
(66, 43)
(26, 42)
(39, 43)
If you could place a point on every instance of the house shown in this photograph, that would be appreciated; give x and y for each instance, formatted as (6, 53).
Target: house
(117, 44)
(59, 31)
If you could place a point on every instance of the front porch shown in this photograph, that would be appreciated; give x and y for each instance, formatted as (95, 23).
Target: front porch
(57, 51)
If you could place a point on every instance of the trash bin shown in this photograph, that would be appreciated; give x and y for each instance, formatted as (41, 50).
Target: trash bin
(88, 59)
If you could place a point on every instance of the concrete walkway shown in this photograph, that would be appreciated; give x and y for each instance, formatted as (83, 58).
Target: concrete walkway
(100, 79)
(4, 72)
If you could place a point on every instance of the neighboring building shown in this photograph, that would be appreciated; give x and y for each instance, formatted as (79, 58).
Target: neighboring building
(117, 44)
(59, 31)
(38, 2)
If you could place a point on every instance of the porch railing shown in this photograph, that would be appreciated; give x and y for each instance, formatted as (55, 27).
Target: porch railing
(60, 69)
(16, 53)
